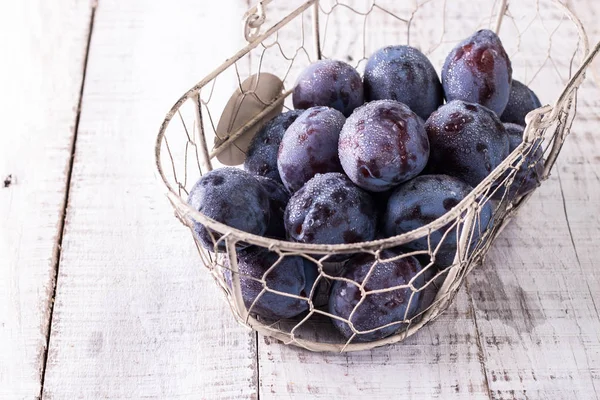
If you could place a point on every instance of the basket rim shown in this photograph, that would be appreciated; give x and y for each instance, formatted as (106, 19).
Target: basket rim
(469, 202)
(535, 119)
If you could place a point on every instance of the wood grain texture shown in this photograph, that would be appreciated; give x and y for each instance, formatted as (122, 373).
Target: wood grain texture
(137, 317)
(529, 314)
(588, 12)
(536, 297)
(43, 50)
(444, 360)
(136, 314)
(535, 307)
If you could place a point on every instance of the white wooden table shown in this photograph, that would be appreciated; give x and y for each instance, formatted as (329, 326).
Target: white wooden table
(101, 294)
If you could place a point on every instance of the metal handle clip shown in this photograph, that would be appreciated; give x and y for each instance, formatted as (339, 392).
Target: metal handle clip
(253, 20)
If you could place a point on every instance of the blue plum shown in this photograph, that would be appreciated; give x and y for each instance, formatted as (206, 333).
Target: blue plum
(423, 200)
(261, 157)
(329, 83)
(309, 147)
(278, 199)
(233, 197)
(529, 175)
(467, 141)
(382, 145)
(432, 283)
(404, 74)
(520, 102)
(478, 70)
(294, 275)
(330, 209)
(381, 200)
(377, 309)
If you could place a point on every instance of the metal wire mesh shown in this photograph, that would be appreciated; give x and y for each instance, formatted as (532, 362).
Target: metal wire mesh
(285, 37)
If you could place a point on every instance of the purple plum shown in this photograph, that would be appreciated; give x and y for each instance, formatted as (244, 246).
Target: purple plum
(520, 102)
(404, 74)
(330, 209)
(233, 197)
(529, 175)
(309, 147)
(382, 145)
(376, 309)
(294, 275)
(467, 141)
(478, 70)
(424, 199)
(329, 83)
(261, 157)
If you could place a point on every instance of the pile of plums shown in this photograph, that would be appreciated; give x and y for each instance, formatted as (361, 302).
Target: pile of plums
(369, 157)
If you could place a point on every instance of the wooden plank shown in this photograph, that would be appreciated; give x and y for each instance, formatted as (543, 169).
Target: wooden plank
(441, 361)
(136, 314)
(589, 12)
(535, 308)
(579, 174)
(536, 298)
(535, 317)
(444, 360)
(43, 47)
(133, 316)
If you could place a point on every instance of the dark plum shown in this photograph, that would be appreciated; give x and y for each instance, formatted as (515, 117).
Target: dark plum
(233, 197)
(432, 283)
(330, 209)
(294, 275)
(329, 83)
(261, 157)
(520, 102)
(478, 70)
(529, 175)
(404, 74)
(383, 144)
(467, 141)
(377, 309)
(423, 200)
(515, 135)
(278, 199)
(309, 147)
(381, 200)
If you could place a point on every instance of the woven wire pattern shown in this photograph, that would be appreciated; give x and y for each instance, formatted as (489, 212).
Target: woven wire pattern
(188, 144)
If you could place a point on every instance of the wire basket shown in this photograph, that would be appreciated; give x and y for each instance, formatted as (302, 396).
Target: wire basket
(549, 51)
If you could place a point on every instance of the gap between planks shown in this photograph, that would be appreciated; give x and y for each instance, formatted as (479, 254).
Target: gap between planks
(63, 217)
(249, 4)
(263, 348)
(131, 319)
(564, 202)
(480, 350)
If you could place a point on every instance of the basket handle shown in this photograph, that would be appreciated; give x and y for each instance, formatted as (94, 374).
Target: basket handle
(541, 114)
(579, 75)
(253, 20)
(576, 78)
(500, 16)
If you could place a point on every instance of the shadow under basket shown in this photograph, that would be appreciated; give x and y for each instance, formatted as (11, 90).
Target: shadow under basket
(207, 127)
